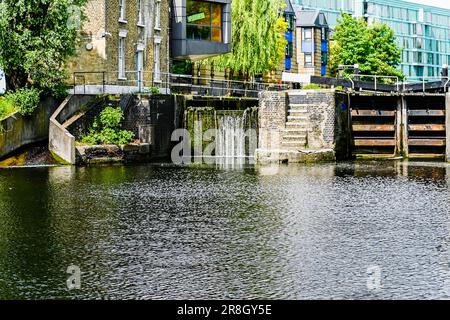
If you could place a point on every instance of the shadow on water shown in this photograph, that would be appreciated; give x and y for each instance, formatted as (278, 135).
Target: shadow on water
(214, 231)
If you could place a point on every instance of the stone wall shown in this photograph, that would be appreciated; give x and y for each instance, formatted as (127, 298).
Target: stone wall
(326, 124)
(273, 107)
(320, 117)
(17, 131)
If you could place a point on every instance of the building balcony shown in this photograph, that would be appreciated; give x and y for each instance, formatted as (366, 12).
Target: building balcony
(200, 29)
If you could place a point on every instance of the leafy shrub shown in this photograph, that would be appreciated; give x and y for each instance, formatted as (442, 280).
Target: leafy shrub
(25, 100)
(311, 86)
(111, 117)
(154, 90)
(6, 106)
(106, 129)
(59, 91)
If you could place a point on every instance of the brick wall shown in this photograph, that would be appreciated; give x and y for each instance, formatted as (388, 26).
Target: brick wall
(103, 17)
(272, 119)
(321, 116)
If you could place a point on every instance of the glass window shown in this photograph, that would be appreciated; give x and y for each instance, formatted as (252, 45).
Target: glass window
(121, 9)
(308, 59)
(157, 62)
(140, 12)
(204, 20)
(121, 57)
(158, 14)
(307, 34)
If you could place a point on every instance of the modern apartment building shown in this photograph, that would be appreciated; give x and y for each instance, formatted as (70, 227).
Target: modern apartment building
(422, 31)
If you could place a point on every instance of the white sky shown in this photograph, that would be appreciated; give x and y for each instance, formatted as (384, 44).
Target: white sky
(436, 3)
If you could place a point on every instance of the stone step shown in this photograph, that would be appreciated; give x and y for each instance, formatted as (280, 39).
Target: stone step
(293, 144)
(295, 124)
(301, 106)
(295, 137)
(304, 118)
(295, 130)
(297, 112)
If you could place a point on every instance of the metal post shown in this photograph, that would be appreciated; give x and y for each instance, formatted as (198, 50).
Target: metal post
(375, 83)
(103, 82)
(356, 66)
(140, 80)
(444, 72)
(340, 71)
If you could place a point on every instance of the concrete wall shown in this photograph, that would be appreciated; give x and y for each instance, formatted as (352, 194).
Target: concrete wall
(61, 142)
(17, 131)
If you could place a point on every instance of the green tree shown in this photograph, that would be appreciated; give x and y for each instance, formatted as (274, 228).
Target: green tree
(258, 42)
(373, 47)
(36, 38)
(385, 55)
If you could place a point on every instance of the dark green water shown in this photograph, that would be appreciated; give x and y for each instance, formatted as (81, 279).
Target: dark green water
(162, 232)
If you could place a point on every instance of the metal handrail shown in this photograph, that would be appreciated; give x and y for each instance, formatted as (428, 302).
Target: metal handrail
(169, 80)
(376, 77)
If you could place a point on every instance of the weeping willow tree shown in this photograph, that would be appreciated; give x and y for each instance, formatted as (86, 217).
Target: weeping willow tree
(258, 42)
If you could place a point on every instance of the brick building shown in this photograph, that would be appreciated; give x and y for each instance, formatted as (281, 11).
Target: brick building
(312, 42)
(120, 37)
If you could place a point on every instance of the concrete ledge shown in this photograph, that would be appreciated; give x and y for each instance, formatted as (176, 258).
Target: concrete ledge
(294, 156)
(17, 131)
(101, 154)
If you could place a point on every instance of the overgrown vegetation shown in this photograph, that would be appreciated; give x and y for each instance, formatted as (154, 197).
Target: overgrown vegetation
(372, 47)
(24, 100)
(6, 107)
(36, 38)
(311, 86)
(106, 129)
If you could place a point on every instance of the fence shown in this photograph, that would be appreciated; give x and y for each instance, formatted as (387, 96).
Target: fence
(101, 82)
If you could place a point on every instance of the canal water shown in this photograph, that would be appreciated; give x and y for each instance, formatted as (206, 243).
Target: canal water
(364, 230)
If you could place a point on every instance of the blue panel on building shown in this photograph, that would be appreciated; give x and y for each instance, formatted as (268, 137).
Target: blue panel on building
(324, 70)
(288, 36)
(288, 63)
(324, 46)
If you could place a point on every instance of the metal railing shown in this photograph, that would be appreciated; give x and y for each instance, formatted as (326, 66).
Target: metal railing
(142, 81)
(376, 80)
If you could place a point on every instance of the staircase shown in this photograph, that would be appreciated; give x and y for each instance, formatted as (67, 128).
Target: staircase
(295, 134)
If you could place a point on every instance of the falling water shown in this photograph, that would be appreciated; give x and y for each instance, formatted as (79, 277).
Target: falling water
(230, 140)
(234, 137)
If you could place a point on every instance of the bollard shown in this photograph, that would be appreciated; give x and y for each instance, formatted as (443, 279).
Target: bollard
(444, 72)
(340, 71)
(356, 67)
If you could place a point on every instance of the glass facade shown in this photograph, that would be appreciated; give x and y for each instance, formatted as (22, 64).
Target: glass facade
(423, 32)
(204, 21)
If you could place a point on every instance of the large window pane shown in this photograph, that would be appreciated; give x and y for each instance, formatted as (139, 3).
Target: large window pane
(198, 32)
(216, 17)
(198, 12)
(204, 20)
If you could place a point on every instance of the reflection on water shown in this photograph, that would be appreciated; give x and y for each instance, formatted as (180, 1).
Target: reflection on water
(164, 231)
